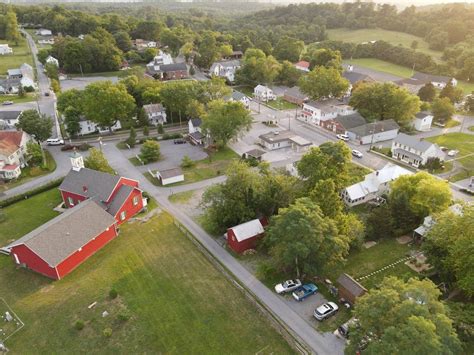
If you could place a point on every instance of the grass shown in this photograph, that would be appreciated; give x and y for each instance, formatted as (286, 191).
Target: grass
(17, 99)
(178, 302)
(26, 215)
(281, 104)
(21, 54)
(376, 34)
(452, 123)
(204, 169)
(356, 173)
(30, 173)
(471, 128)
(182, 197)
(135, 161)
(463, 142)
(468, 88)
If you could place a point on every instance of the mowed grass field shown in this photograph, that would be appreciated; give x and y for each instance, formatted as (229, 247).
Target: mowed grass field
(21, 54)
(377, 34)
(176, 301)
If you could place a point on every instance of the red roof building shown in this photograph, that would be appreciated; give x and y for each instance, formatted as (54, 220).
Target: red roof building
(302, 65)
(245, 236)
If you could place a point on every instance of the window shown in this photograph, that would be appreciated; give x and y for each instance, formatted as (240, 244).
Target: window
(135, 200)
(70, 201)
(123, 214)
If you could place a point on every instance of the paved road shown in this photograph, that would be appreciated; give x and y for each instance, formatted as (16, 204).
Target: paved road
(319, 343)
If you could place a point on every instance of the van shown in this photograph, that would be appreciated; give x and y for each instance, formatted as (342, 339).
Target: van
(54, 141)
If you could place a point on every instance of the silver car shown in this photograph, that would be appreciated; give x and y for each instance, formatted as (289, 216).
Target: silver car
(287, 286)
(325, 311)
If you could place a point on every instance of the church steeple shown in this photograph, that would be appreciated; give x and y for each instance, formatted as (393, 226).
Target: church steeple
(77, 161)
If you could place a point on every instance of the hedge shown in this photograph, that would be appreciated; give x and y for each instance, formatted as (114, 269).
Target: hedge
(48, 186)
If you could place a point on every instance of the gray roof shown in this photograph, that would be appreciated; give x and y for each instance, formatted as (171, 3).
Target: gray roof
(423, 114)
(96, 183)
(173, 67)
(296, 93)
(226, 64)
(428, 78)
(276, 136)
(169, 173)
(350, 121)
(9, 115)
(237, 95)
(196, 135)
(255, 153)
(14, 72)
(153, 108)
(351, 285)
(375, 127)
(119, 199)
(60, 237)
(196, 122)
(410, 155)
(413, 142)
(354, 77)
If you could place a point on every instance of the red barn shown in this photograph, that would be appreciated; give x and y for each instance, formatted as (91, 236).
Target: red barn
(62, 244)
(245, 236)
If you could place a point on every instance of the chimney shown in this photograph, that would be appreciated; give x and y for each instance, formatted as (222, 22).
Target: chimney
(84, 188)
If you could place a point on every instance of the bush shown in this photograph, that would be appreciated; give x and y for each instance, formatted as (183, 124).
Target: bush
(79, 325)
(107, 332)
(84, 147)
(167, 136)
(150, 151)
(124, 315)
(113, 294)
(31, 193)
(187, 162)
(160, 129)
(146, 131)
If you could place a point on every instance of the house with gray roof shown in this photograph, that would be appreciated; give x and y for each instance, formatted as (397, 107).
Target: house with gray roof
(8, 119)
(378, 131)
(342, 124)
(414, 151)
(173, 71)
(237, 96)
(439, 81)
(225, 69)
(156, 114)
(295, 96)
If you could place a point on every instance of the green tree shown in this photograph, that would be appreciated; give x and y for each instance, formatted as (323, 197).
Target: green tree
(97, 161)
(453, 93)
(376, 101)
(215, 89)
(380, 223)
(414, 45)
(39, 126)
(146, 131)
(288, 74)
(427, 93)
(467, 71)
(21, 91)
(403, 318)
(123, 41)
(323, 82)
(469, 105)
(72, 118)
(187, 162)
(288, 48)
(324, 57)
(34, 153)
(132, 138)
(208, 52)
(105, 103)
(11, 27)
(195, 109)
(150, 151)
(329, 161)
(225, 120)
(443, 110)
(450, 249)
(301, 240)
(257, 68)
(70, 98)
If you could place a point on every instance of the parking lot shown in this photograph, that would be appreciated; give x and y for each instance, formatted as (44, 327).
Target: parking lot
(80, 83)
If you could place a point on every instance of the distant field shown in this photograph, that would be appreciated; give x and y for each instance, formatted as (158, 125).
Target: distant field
(393, 37)
(21, 54)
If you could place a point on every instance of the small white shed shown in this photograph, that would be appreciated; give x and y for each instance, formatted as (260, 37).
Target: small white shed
(170, 176)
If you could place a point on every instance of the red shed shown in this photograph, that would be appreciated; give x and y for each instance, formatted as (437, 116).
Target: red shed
(244, 236)
(62, 244)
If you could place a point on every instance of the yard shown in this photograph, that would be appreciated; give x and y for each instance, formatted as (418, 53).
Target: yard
(281, 104)
(171, 299)
(21, 54)
(356, 173)
(392, 37)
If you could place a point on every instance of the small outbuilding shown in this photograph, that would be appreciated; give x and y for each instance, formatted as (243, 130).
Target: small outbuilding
(349, 288)
(254, 153)
(170, 176)
(245, 236)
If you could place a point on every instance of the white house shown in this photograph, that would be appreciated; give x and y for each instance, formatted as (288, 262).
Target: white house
(225, 69)
(263, 93)
(378, 131)
(51, 60)
(8, 119)
(5, 49)
(438, 81)
(422, 121)
(374, 185)
(316, 112)
(46, 41)
(156, 114)
(12, 153)
(195, 133)
(239, 97)
(24, 74)
(430, 221)
(44, 32)
(170, 176)
(88, 127)
(414, 151)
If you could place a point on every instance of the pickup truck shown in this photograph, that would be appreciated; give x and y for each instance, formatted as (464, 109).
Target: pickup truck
(304, 291)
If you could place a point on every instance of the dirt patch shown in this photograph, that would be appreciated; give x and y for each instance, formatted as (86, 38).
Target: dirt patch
(404, 239)
(369, 244)
(418, 263)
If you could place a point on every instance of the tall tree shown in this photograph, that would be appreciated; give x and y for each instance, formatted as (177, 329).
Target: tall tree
(11, 27)
(324, 57)
(69, 98)
(323, 82)
(257, 68)
(289, 74)
(39, 126)
(123, 40)
(403, 318)
(427, 93)
(105, 103)
(225, 120)
(72, 118)
(150, 151)
(453, 93)
(288, 48)
(443, 110)
(208, 50)
(96, 161)
(376, 101)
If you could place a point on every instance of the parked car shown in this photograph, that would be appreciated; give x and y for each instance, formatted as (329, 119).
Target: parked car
(304, 291)
(344, 329)
(357, 154)
(343, 137)
(453, 153)
(179, 141)
(326, 310)
(54, 141)
(46, 93)
(287, 286)
(7, 103)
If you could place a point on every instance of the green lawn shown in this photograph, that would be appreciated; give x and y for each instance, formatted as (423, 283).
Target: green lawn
(376, 34)
(17, 99)
(178, 302)
(21, 54)
(471, 128)
(463, 142)
(182, 197)
(281, 104)
(356, 173)
(30, 173)
(452, 123)
(24, 216)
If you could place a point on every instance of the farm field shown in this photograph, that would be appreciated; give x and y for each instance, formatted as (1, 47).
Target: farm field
(171, 299)
(21, 54)
(376, 34)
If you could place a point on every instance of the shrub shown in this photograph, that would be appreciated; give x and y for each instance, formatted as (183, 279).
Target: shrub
(79, 325)
(160, 129)
(187, 162)
(107, 332)
(113, 294)
(150, 151)
(84, 147)
(132, 138)
(124, 315)
(146, 131)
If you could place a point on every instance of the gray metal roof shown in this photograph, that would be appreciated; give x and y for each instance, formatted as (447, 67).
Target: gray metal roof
(428, 78)
(119, 199)
(351, 285)
(255, 153)
(375, 127)
(350, 121)
(413, 142)
(60, 237)
(196, 122)
(9, 115)
(165, 68)
(276, 136)
(423, 114)
(90, 183)
(296, 93)
(237, 95)
(153, 108)
(169, 173)
(354, 77)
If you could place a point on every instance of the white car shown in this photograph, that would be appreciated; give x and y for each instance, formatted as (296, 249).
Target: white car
(452, 153)
(325, 311)
(343, 137)
(287, 286)
(54, 141)
(357, 154)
